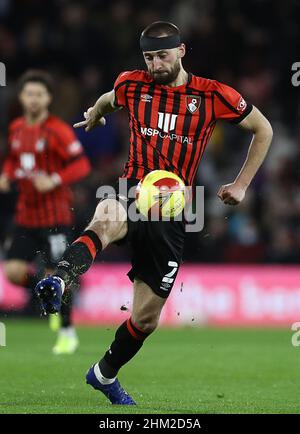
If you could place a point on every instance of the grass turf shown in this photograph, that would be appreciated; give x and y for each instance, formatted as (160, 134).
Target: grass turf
(186, 370)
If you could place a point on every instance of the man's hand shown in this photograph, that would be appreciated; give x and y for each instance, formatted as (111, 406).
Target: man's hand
(43, 183)
(232, 194)
(92, 119)
(4, 184)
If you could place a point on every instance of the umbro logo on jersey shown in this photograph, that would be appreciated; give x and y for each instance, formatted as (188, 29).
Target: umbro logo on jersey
(145, 97)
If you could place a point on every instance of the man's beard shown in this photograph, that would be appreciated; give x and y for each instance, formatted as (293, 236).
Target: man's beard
(34, 112)
(166, 77)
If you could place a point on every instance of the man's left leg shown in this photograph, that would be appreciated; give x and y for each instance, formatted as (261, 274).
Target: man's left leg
(129, 339)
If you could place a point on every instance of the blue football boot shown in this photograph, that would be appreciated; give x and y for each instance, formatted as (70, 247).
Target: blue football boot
(114, 391)
(49, 292)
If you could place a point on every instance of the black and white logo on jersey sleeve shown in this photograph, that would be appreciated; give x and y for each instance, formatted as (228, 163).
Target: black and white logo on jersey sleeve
(241, 105)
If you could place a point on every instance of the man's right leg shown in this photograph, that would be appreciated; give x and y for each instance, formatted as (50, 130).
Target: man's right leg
(108, 225)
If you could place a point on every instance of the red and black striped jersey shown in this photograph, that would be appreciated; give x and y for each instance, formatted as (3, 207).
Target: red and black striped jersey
(50, 147)
(171, 126)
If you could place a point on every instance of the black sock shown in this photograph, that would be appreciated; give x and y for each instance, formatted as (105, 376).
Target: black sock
(67, 304)
(128, 341)
(31, 281)
(78, 257)
(32, 307)
(66, 311)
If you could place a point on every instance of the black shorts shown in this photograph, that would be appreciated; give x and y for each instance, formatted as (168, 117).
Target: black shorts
(157, 248)
(48, 244)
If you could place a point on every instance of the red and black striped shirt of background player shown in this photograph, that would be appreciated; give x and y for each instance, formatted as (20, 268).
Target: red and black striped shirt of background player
(144, 100)
(50, 147)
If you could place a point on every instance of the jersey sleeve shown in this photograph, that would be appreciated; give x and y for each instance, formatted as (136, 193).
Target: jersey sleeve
(229, 104)
(71, 151)
(10, 161)
(120, 89)
(9, 166)
(66, 143)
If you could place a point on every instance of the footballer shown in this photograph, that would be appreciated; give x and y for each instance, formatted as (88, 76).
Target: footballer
(44, 159)
(172, 114)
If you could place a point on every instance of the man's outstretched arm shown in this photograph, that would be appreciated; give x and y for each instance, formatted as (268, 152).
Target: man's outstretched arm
(234, 193)
(94, 115)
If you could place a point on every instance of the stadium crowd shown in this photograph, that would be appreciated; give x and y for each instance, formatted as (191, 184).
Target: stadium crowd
(85, 45)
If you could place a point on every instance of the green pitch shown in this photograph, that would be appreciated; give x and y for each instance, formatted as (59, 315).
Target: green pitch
(188, 370)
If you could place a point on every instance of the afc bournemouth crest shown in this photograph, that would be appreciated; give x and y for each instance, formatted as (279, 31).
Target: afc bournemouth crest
(193, 103)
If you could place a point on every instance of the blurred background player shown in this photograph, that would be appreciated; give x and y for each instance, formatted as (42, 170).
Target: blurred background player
(44, 158)
(194, 105)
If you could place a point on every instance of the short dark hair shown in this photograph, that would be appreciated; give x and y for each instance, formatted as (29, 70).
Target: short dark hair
(36, 76)
(161, 28)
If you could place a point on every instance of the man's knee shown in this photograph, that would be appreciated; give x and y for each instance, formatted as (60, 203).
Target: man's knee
(147, 307)
(147, 323)
(109, 221)
(16, 271)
